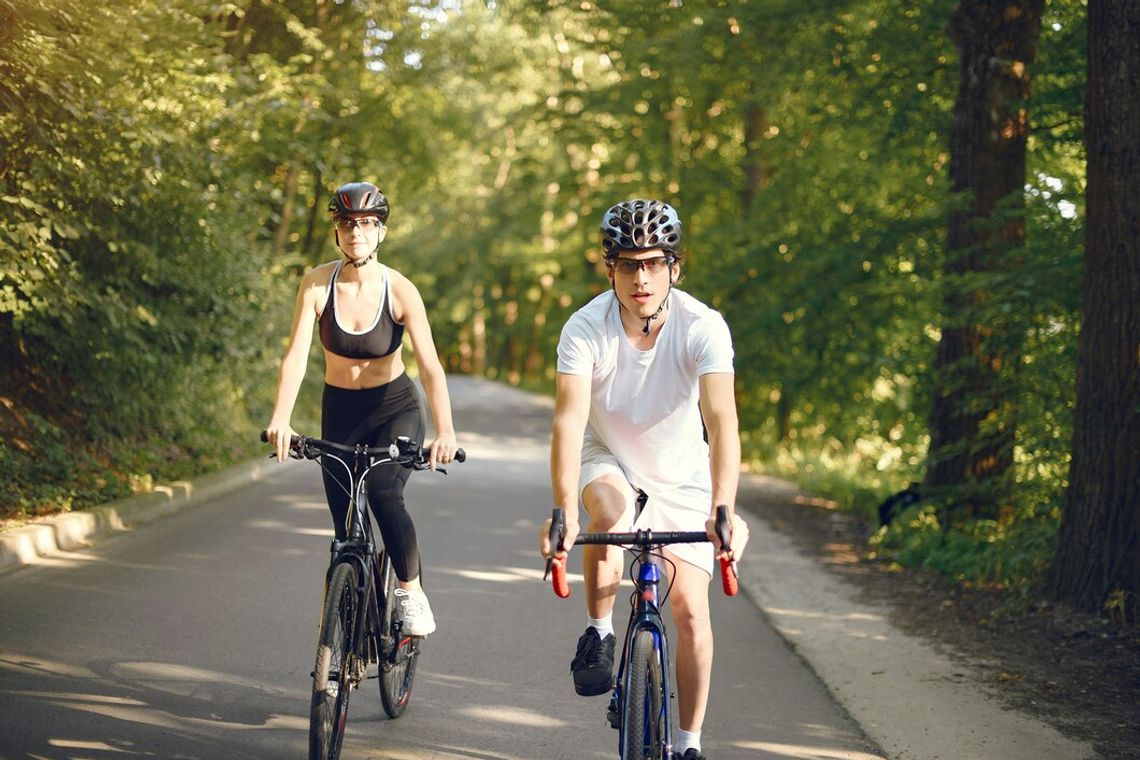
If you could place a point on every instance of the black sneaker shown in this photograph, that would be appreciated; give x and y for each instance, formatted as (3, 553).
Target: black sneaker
(690, 754)
(593, 665)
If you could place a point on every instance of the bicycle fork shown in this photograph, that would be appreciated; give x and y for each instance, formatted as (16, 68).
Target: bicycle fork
(362, 646)
(646, 615)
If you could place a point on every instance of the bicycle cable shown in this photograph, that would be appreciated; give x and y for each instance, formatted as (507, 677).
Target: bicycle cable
(352, 502)
(669, 576)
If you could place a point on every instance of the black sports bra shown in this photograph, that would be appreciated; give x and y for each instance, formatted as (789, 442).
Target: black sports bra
(382, 338)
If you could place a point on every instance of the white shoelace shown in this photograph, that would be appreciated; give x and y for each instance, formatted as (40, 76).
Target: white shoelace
(414, 604)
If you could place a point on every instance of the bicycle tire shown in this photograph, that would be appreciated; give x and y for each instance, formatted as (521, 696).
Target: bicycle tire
(398, 651)
(328, 710)
(643, 723)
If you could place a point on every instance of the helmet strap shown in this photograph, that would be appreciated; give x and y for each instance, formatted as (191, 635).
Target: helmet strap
(656, 314)
(366, 259)
(660, 309)
(362, 262)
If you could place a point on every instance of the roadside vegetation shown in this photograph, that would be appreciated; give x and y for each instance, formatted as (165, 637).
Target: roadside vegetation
(896, 319)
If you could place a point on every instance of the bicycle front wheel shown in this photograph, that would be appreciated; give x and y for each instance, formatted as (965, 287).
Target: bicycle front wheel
(643, 724)
(332, 674)
(398, 651)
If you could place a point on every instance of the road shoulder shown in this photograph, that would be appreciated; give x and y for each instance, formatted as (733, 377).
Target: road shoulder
(914, 696)
(49, 537)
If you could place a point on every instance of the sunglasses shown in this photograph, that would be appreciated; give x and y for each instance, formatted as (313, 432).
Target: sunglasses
(652, 265)
(367, 224)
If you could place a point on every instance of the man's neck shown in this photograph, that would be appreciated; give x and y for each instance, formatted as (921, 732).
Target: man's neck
(634, 326)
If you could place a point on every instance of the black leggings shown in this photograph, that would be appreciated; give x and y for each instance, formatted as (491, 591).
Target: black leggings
(375, 416)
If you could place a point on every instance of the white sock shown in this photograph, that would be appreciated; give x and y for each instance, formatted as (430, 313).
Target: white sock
(687, 740)
(603, 625)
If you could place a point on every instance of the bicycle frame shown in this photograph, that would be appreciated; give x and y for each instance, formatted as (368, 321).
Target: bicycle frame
(359, 625)
(358, 547)
(359, 550)
(645, 615)
(645, 605)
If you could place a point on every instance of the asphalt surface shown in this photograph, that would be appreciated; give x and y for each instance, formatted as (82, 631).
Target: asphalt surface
(194, 636)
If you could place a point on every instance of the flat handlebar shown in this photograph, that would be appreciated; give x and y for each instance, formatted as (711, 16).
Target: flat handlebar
(402, 448)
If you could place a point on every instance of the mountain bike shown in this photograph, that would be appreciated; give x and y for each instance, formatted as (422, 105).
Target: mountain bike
(361, 624)
(640, 703)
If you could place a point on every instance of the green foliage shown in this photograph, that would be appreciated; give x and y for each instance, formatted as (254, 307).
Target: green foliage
(984, 552)
(129, 284)
(166, 167)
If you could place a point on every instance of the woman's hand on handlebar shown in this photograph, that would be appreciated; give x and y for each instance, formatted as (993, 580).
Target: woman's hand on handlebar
(442, 449)
(278, 434)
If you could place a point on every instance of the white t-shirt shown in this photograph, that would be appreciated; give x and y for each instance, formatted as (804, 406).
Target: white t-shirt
(644, 405)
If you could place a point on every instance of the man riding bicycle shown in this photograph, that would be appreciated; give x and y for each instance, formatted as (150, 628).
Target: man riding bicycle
(640, 367)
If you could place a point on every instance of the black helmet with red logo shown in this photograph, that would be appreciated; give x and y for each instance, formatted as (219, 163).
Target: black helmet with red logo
(358, 198)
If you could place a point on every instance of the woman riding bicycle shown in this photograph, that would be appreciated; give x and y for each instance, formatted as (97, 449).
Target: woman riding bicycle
(639, 368)
(363, 308)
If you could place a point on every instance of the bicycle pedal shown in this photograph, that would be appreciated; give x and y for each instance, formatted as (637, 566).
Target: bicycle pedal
(612, 717)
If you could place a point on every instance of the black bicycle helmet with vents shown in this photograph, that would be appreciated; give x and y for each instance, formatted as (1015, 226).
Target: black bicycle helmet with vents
(358, 198)
(639, 225)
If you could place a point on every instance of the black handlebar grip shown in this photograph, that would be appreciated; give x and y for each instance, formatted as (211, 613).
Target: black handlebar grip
(293, 439)
(460, 455)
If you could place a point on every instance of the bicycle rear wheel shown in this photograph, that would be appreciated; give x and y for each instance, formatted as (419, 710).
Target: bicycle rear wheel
(643, 724)
(331, 676)
(398, 651)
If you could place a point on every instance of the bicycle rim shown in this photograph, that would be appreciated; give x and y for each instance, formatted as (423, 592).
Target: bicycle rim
(643, 729)
(331, 683)
(398, 652)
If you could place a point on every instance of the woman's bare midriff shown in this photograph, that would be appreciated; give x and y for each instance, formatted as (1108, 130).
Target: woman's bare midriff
(355, 374)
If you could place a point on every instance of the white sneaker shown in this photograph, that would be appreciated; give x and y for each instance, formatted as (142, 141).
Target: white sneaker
(418, 620)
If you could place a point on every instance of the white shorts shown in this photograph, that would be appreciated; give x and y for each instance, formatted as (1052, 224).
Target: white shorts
(676, 509)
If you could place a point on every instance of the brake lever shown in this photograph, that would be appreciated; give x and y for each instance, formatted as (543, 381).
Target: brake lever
(724, 534)
(557, 529)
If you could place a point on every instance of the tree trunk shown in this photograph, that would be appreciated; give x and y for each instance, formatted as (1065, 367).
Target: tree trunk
(310, 247)
(292, 170)
(755, 172)
(478, 365)
(1098, 556)
(972, 426)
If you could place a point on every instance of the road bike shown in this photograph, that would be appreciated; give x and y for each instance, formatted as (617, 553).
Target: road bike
(640, 703)
(361, 624)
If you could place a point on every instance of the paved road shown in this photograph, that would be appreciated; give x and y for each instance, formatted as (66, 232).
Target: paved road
(193, 638)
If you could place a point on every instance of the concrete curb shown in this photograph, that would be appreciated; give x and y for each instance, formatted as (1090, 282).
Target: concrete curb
(32, 543)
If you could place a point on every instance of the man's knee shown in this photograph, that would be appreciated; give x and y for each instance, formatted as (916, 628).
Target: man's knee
(693, 621)
(690, 602)
(609, 503)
